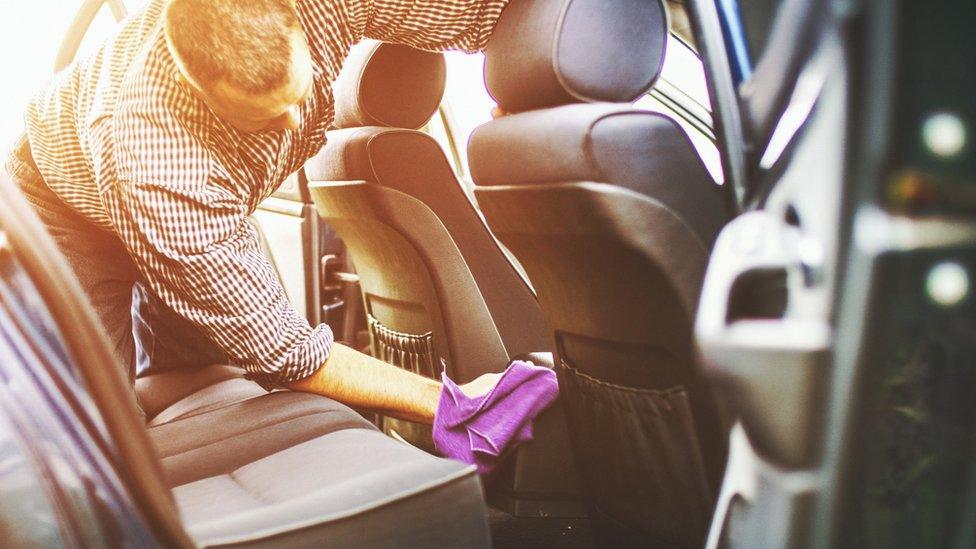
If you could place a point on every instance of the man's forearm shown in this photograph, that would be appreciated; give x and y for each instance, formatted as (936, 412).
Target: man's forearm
(362, 381)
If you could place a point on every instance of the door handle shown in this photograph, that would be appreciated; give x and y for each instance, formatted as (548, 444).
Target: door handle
(774, 365)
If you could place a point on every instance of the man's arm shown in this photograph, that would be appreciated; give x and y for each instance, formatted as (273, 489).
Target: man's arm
(434, 25)
(200, 255)
(226, 287)
(362, 381)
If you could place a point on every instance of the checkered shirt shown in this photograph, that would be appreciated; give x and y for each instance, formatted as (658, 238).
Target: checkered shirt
(121, 141)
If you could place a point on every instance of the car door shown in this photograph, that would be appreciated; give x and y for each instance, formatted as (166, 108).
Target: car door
(835, 311)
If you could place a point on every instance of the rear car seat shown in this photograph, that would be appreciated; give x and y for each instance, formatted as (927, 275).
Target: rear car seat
(292, 468)
(226, 463)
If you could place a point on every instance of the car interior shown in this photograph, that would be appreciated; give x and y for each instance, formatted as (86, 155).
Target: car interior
(745, 349)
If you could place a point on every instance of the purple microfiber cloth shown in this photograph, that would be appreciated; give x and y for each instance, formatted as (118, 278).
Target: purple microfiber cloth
(478, 430)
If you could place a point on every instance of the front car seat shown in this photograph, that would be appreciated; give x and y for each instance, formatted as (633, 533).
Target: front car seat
(429, 268)
(612, 214)
(437, 286)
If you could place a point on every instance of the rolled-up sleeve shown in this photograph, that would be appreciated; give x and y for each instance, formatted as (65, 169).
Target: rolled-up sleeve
(434, 25)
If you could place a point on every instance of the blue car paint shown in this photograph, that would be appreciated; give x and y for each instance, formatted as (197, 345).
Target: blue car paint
(735, 40)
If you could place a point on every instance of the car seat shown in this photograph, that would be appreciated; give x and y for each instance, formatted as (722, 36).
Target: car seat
(612, 214)
(224, 462)
(437, 287)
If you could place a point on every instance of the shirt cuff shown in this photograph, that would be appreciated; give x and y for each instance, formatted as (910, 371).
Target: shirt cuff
(299, 363)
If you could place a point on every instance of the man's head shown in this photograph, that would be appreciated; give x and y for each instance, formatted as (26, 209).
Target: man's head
(247, 59)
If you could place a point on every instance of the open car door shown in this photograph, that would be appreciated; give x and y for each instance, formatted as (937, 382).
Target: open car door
(836, 308)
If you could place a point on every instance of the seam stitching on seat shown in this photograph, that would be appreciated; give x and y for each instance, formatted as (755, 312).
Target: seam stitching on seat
(272, 425)
(268, 532)
(254, 494)
(205, 409)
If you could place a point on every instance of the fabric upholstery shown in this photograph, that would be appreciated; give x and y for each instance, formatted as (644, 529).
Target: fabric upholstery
(158, 392)
(414, 163)
(219, 438)
(384, 84)
(545, 53)
(612, 213)
(643, 151)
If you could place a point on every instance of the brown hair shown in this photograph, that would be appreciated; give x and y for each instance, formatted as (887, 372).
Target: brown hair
(245, 43)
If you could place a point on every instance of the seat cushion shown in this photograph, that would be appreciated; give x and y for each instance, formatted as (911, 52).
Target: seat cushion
(221, 438)
(295, 469)
(353, 487)
(157, 392)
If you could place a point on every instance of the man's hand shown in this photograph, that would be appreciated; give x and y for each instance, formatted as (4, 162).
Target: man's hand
(361, 381)
(498, 112)
(481, 385)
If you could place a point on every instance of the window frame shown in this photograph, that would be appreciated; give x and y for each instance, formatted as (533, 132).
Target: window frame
(685, 106)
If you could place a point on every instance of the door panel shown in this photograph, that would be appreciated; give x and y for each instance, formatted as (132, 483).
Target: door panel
(838, 312)
(290, 229)
(765, 324)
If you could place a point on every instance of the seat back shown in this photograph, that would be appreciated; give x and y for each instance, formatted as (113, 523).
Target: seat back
(432, 275)
(436, 283)
(612, 214)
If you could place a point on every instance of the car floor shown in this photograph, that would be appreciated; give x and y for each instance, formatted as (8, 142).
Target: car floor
(510, 532)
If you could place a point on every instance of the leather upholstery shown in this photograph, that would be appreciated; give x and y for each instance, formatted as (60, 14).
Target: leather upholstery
(545, 53)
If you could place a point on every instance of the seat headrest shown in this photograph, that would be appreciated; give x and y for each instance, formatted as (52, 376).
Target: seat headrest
(384, 84)
(545, 53)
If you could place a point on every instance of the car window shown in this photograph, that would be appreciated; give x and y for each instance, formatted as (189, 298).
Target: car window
(466, 104)
(32, 30)
(682, 93)
(684, 72)
(102, 27)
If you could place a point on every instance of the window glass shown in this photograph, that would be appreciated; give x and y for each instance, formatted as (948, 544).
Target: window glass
(30, 35)
(683, 70)
(467, 104)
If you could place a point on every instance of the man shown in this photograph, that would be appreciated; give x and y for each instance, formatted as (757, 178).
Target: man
(145, 161)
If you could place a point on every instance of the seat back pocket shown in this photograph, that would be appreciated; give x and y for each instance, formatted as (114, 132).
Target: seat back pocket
(640, 461)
